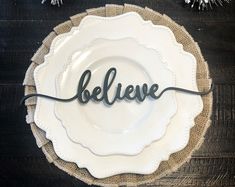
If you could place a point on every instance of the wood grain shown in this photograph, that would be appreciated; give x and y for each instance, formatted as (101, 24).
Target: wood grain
(24, 24)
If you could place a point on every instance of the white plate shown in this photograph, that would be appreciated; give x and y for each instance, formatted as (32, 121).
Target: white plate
(158, 37)
(114, 128)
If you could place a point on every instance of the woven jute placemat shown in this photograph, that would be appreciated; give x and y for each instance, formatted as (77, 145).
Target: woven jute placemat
(202, 121)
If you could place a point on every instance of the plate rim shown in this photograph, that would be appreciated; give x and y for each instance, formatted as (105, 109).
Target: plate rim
(112, 174)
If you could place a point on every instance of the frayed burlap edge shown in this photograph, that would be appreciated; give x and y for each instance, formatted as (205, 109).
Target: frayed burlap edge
(202, 121)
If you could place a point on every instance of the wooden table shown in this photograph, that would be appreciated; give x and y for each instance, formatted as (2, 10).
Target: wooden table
(24, 24)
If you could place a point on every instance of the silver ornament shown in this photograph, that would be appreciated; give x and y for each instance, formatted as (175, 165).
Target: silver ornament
(204, 4)
(54, 2)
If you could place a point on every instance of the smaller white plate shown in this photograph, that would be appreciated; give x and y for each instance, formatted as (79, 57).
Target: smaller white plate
(125, 127)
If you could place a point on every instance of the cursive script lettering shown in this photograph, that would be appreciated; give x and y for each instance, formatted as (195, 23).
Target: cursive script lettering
(98, 94)
(130, 92)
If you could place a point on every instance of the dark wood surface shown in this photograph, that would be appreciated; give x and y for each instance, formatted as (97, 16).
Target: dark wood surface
(24, 24)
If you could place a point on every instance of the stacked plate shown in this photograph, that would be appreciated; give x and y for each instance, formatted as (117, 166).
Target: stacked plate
(128, 136)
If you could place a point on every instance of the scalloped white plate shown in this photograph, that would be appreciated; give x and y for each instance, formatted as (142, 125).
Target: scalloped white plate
(114, 128)
(157, 37)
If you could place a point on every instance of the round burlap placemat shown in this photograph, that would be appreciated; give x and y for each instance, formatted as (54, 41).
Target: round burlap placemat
(202, 121)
